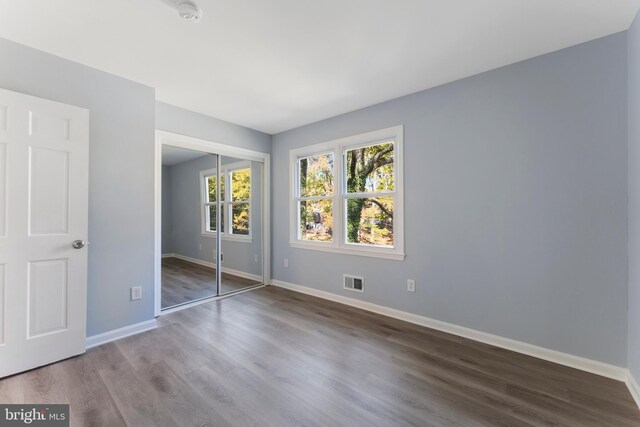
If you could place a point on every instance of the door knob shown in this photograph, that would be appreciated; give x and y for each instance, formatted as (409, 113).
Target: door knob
(79, 244)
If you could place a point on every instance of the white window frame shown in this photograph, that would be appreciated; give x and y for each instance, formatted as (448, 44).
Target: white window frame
(338, 148)
(226, 204)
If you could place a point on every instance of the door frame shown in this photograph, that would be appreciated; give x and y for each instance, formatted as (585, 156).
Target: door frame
(192, 143)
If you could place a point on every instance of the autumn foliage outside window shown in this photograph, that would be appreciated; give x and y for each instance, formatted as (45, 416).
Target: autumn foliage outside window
(347, 195)
(234, 204)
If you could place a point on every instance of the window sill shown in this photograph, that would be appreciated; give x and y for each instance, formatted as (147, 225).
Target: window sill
(243, 239)
(325, 247)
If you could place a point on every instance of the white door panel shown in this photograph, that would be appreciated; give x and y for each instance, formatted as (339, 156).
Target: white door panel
(3, 117)
(47, 290)
(3, 190)
(43, 209)
(48, 126)
(48, 191)
(2, 303)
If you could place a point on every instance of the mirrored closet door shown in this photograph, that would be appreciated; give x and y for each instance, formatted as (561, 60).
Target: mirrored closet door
(241, 237)
(212, 225)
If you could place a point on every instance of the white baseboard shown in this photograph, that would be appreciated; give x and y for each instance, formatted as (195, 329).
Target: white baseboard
(116, 334)
(213, 265)
(633, 387)
(592, 366)
(192, 260)
(242, 274)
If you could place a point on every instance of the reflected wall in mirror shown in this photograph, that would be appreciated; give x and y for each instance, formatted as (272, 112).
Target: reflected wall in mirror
(241, 238)
(188, 263)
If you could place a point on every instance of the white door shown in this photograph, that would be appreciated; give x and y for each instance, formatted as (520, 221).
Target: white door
(44, 148)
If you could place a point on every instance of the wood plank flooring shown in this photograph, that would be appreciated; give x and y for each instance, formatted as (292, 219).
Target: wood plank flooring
(184, 281)
(272, 357)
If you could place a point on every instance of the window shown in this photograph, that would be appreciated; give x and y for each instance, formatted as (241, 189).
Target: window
(315, 197)
(235, 204)
(347, 195)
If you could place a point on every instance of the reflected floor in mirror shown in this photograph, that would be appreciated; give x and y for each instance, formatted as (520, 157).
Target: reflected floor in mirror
(184, 281)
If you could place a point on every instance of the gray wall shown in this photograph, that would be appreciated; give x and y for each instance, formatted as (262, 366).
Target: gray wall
(185, 232)
(185, 122)
(184, 188)
(633, 356)
(120, 176)
(167, 217)
(515, 203)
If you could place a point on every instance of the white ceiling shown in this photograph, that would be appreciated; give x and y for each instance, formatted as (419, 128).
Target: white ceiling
(173, 155)
(273, 65)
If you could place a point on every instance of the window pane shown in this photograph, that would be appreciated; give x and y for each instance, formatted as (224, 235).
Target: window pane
(240, 212)
(316, 175)
(241, 184)
(370, 221)
(370, 169)
(211, 183)
(316, 220)
(211, 210)
(211, 215)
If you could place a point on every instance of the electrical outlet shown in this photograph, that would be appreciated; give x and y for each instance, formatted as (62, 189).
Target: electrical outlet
(286, 263)
(411, 285)
(136, 293)
(255, 257)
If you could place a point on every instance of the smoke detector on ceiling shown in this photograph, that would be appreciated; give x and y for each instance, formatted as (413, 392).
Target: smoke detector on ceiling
(189, 11)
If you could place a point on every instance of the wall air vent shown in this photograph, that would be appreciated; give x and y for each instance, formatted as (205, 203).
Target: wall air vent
(353, 283)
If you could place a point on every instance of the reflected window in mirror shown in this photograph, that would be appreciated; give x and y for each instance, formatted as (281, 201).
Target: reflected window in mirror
(235, 204)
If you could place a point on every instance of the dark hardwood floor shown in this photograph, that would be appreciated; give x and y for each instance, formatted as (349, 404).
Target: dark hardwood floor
(272, 357)
(184, 281)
